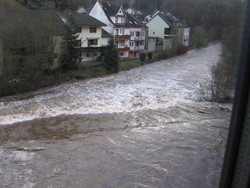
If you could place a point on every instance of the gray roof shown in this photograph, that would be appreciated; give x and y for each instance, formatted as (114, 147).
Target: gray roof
(110, 9)
(171, 20)
(133, 21)
(83, 19)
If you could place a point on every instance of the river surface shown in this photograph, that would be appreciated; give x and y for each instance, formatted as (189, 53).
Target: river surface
(147, 127)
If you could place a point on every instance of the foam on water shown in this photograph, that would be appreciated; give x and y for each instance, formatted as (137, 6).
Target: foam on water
(158, 85)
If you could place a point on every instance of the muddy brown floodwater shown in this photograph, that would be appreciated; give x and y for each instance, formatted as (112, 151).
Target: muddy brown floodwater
(146, 127)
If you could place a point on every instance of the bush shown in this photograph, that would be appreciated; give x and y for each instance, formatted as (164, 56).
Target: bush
(162, 55)
(150, 55)
(182, 49)
(142, 57)
(220, 87)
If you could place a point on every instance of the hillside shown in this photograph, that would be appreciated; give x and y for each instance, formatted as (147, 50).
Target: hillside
(11, 4)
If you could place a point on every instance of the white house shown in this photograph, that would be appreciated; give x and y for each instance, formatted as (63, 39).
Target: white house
(130, 34)
(91, 35)
(99, 13)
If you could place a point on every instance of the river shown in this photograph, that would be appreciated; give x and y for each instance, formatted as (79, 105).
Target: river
(146, 127)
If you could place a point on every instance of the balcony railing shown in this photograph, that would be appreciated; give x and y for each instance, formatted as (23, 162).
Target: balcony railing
(137, 48)
(123, 49)
(122, 37)
(137, 37)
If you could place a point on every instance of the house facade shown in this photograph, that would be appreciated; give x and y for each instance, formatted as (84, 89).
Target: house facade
(90, 35)
(130, 34)
(169, 29)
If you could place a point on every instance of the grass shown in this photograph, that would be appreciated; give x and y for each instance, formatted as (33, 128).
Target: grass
(100, 70)
(129, 64)
(90, 72)
(11, 4)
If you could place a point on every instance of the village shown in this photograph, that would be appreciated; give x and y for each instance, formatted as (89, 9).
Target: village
(133, 32)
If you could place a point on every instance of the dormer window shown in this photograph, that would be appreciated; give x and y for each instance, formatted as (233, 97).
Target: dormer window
(116, 19)
(92, 29)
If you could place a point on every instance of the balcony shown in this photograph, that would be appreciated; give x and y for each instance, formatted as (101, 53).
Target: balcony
(123, 49)
(122, 37)
(168, 32)
(137, 37)
(91, 49)
(137, 48)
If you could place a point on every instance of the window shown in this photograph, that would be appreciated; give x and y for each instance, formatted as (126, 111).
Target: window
(122, 31)
(92, 29)
(137, 34)
(78, 29)
(141, 42)
(116, 19)
(142, 33)
(122, 42)
(132, 33)
(131, 43)
(122, 20)
(92, 42)
(168, 31)
(121, 54)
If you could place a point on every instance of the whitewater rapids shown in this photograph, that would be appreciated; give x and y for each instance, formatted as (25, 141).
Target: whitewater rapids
(146, 127)
(158, 85)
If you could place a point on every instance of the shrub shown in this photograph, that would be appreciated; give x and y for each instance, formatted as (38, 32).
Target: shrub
(182, 49)
(142, 57)
(162, 55)
(150, 55)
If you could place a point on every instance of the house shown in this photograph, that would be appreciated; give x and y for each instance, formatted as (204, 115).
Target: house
(138, 36)
(169, 29)
(129, 32)
(90, 33)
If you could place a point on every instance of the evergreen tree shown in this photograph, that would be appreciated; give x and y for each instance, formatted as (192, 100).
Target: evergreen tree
(111, 57)
(70, 47)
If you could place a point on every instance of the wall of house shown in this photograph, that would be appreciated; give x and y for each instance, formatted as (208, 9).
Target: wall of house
(1, 57)
(134, 54)
(98, 13)
(156, 27)
(151, 45)
(118, 19)
(121, 31)
(85, 35)
(123, 55)
(104, 41)
(89, 56)
(186, 36)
